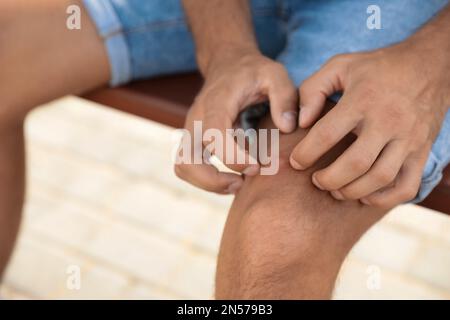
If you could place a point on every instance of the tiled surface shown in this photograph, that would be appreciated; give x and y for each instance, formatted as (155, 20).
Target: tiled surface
(102, 198)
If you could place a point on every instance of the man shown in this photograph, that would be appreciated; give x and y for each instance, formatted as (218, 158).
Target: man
(286, 234)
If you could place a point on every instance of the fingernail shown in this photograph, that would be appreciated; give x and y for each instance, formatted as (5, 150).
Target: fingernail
(337, 195)
(251, 171)
(290, 120)
(234, 187)
(295, 164)
(301, 116)
(316, 183)
(365, 201)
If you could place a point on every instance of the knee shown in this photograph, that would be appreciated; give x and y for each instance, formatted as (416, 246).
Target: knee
(284, 252)
(276, 238)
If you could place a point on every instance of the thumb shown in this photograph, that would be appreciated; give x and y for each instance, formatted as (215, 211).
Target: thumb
(315, 90)
(227, 144)
(283, 98)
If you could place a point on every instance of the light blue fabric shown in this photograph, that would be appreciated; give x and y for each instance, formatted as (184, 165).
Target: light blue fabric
(151, 38)
(157, 39)
(109, 27)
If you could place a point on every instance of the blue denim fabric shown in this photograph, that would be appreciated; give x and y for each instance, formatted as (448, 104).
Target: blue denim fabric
(151, 38)
(156, 37)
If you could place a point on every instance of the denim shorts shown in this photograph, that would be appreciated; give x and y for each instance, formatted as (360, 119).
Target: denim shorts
(151, 38)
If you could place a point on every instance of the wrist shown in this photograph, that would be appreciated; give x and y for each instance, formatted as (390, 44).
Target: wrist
(225, 54)
(429, 57)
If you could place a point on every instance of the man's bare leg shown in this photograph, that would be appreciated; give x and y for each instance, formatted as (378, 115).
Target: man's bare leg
(284, 238)
(11, 187)
(40, 60)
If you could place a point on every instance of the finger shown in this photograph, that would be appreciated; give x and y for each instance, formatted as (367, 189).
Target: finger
(283, 102)
(353, 163)
(382, 173)
(195, 169)
(315, 90)
(219, 138)
(406, 184)
(208, 178)
(325, 134)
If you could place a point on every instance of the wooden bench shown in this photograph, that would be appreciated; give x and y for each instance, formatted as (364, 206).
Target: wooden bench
(167, 99)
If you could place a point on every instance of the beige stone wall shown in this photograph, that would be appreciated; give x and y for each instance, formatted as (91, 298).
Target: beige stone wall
(102, 197)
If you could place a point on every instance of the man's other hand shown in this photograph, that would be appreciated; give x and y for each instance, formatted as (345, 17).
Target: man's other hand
(394, 100)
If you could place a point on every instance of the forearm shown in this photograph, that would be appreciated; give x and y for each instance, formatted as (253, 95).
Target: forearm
(220, 28)
(436, 33)
(432, 44)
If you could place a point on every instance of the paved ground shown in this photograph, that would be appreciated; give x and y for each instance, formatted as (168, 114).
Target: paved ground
(106, 218)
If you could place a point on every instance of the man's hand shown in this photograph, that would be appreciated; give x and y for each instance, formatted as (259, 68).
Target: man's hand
(236, 76)
(230, 86)
(394, 100)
